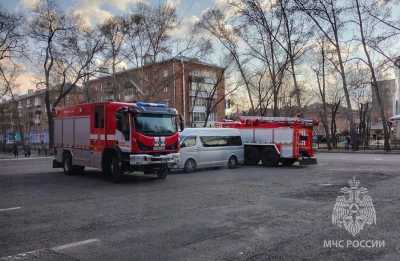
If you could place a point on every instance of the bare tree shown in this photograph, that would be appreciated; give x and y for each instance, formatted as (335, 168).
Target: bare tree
(213, 22)
(295, 34)
(114, 31)
(262, 91)
(361, 22)
(64, 55)
(320, 73)
(11, 44)
(263, 26)
(8, 75)
(327, 16)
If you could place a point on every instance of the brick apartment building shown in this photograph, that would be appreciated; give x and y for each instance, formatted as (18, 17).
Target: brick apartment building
(189, 85)
(30, 108)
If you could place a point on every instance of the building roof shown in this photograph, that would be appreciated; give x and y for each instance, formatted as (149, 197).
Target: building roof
(173, 59)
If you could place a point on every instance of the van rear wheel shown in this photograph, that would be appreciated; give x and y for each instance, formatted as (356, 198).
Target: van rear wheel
(232, 162)
(190, 166)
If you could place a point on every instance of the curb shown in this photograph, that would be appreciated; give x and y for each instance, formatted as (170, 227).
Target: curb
(23, 158)
(360, 152)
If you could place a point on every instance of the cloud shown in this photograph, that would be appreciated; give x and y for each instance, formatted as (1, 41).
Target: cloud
(93, 12)
(121, 4)
(185, 28)
(29, 4)
(173, 3)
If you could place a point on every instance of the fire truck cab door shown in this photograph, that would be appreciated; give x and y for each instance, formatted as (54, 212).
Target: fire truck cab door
(123, 130)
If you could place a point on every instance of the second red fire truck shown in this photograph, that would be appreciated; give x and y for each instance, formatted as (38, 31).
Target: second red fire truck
(116, 137)
(275, 140)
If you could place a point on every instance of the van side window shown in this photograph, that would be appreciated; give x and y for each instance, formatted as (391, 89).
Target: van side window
(234, 141)
(214, 141)
(218, 141)
(189, 141)
(99, 117)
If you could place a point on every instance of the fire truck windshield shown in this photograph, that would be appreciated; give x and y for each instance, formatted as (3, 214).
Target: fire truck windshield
(155, 124)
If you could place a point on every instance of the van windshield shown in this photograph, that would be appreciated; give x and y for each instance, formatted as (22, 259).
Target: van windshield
(155, 124)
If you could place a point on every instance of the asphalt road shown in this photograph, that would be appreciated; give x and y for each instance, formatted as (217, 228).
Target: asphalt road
(249, 213)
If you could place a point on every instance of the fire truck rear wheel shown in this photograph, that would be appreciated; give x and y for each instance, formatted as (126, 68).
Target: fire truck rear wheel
(190, 166)
(288, 162)
(232, 162)
(270, 158)
(67, 164)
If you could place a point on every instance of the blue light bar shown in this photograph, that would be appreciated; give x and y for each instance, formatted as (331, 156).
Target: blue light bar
(151, 104)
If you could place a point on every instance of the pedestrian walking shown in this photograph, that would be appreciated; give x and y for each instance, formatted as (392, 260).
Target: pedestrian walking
(27, 150)
(15, 150)
(348, 141)
(43, 148)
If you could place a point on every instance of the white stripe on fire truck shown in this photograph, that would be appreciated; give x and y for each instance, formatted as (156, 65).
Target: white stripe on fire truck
(110, 137)
(102, 136)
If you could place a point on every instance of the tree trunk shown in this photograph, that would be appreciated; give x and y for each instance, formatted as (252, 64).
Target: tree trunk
(381, 108)
(334, 110)
(50, 120)
(326, 129)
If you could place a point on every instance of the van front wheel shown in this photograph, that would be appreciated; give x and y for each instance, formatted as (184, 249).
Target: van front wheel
(190, 166)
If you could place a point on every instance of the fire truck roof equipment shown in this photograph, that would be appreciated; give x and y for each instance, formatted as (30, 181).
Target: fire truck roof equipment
(149, 107)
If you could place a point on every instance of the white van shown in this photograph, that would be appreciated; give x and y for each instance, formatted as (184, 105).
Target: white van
(210, 147)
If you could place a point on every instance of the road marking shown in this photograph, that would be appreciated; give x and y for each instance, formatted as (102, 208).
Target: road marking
(33, 158)
(75, 244)
(21, 255)
(9, 209)
(57, 248)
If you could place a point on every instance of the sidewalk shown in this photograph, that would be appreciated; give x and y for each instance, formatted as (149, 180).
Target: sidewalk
(4, 156)
(358, 151)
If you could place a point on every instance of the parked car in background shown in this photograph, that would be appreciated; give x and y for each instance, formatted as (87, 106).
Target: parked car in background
(210, 147)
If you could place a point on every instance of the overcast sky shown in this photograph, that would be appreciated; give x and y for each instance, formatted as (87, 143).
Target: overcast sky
(96, 11)
(100, 9)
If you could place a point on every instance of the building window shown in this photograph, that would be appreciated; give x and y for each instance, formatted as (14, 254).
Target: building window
(199, 116)
(197, 101)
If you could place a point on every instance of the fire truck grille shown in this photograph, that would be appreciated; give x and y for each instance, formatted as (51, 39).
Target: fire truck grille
(144, 147)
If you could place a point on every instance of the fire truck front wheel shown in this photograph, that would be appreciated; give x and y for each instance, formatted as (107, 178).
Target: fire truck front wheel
(116, 169)
(162, 172)
(112, 167)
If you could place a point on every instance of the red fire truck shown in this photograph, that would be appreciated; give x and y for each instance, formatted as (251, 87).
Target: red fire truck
(116, 137)
(275, 140)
